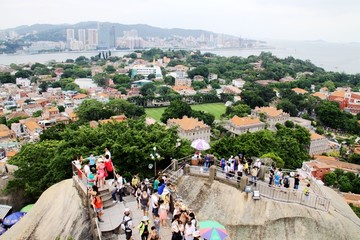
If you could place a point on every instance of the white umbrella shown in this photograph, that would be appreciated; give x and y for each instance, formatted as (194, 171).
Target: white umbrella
(200, 144)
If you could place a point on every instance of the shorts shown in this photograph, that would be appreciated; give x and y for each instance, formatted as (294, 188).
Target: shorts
(128, 235)
(155, 211)
(144, 207)
(99, 209)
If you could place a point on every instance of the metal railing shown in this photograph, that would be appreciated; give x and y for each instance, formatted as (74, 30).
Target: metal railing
(82, 181)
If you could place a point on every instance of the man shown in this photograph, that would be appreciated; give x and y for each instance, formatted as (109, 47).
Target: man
(92, 161)
(118, 189)
(254, 173)
(128, 224)
(297, 181)
(207, 161)
(154, 204)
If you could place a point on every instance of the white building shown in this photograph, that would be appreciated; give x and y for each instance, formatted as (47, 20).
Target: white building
(191, 128)
(272, 115)
(241, 125)
(25, 82)
(145, 71)
(318, 144)
(239, 83)
(93, 38)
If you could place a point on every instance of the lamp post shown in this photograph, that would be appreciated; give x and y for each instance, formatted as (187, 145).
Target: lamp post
(154, 155)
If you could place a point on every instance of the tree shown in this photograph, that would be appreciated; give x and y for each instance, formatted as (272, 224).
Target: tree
(37, 113)
(110, 69)
(148, 90)
(61, 108)
(289, 124)
(288, 107)
(120, 106)
(121, 79)
(238, 109)
(92, 110)
(43, 87)
(330, 179)
(177, 109)
(170, 80)
(100, 79)
(207, 118)
(345, 184)
(201, 70)
(330, 85)
(151, 76)
(278, 161)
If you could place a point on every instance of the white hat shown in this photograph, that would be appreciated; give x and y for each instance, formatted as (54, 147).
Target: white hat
(145, 218)
(196, 234)
(146, 180)
(127, 210)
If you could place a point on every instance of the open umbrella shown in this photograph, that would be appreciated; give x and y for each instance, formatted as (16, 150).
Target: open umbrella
(200, 144)
(27, 208)
(212, 230)
(13, 218)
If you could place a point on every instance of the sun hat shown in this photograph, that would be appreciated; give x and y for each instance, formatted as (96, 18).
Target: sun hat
(145, 218)
(127, 210)
(146, 180)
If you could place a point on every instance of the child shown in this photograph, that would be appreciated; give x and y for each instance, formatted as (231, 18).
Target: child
(98, 205)
(154, 235)
(157, 224)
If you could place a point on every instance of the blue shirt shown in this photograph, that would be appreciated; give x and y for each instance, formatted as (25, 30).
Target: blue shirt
(161, 189)
(92, 160)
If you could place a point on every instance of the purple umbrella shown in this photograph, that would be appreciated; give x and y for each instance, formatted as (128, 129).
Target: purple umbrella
(13, 218)
(200, 144)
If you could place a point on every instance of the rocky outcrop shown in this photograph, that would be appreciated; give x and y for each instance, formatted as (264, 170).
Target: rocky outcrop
(263, 219)
(58, 214)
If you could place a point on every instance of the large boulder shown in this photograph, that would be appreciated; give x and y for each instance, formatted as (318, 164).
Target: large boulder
(246, 218)
(58, 214)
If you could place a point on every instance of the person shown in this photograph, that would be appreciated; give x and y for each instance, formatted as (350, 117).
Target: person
(297, 181)
(128, 224)
(137, 196)
(193, 219)
(93, 191)
(177, 228)
(163, 213)
(92, 161)
(144, 228)
(101, 172)
(98, 205)
(107, 152)
(86, 168)
(161, 186)
(207, 161)
(286, 182)
(240, 171)
(134, 182)
(145, 202)
(254, 173)
(257, 163)
(227, 170)
(157, 224)
(277, 178)
(222, 164)
(196, 235)
(154, 234)
(92, 177)
(117, 189)
(154, 204)
(271, 176)
(246, 167)
(307, 192)
(189, 230)
(109, 167)
(156, 183)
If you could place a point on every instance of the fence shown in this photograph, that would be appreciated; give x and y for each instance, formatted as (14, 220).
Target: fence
(80, 180)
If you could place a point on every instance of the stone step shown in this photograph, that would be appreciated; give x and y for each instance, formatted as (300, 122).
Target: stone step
(108, 204)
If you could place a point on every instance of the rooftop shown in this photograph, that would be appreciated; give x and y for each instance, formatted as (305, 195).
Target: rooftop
(315, 136)
(243, 121)
(270, 111)
(187, 123)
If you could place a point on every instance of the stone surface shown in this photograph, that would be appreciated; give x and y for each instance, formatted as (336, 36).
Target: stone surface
(57, 213)
(246, 218)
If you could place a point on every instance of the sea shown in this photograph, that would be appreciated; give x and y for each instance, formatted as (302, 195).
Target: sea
(336, 57)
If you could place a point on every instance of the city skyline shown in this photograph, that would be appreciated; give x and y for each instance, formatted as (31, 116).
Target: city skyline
(333, 21)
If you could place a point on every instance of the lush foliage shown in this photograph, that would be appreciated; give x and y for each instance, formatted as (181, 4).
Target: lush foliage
(345, 181)
(49, 161)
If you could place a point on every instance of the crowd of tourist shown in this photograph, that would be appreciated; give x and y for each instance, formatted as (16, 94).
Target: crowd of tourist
(156, 197)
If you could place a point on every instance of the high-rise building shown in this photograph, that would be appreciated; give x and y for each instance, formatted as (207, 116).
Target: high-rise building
(130, 34)
(112, 40)
(70, 36)
(82, 36)
(93, 38)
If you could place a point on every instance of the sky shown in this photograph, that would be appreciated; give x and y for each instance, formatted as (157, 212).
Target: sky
(328, 20)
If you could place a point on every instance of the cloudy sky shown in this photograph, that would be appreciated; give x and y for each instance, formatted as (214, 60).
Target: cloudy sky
(329, 20)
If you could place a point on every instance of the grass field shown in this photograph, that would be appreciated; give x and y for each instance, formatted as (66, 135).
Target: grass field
(215, 109)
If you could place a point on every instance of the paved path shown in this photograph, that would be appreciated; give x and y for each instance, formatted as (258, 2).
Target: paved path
(137, 214)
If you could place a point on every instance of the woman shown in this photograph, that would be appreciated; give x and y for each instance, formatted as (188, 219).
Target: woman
(109, 167)
(92, 178)
(145, 202)
(98, 205)
(163, 213)
(177, 228)
(101, 173)
(144, 228)
(189, 231)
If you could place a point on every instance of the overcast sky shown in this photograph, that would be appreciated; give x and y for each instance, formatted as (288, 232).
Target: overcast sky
(329, 20)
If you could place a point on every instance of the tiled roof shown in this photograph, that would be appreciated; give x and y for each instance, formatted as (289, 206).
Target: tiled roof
(339, 93)
(243, 121)
(187, 123)
(319, 95)
(80, 96)
(180, 88)
(270, 111)
(315, 136)
(31, 125)
(17, 114)
(299, 90)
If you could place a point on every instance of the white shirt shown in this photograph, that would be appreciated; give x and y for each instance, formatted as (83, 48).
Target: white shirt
(120, 182)
(189, 230)
(108, 153)
(154, 200)
(87, 170)
(240, 167)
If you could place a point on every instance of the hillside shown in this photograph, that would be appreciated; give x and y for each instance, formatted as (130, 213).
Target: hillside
(50, 32)
(246, 218)
(57, 213)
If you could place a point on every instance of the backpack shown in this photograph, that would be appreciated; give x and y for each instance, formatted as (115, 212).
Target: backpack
(124, 225)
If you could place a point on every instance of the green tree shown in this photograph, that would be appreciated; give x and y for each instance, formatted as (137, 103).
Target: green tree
(288, 107)
(345, 184)
(170, 80)
(43, 87)
(207, 118)
(110, 69)
(289, 124)
(239, 109)
(278, 160)
(92, 110)
(330, 179)
(120, 106)
(151, 76)
(148, 90)
(330, 85)
(37, 113)
(177, 109)
(61, 108)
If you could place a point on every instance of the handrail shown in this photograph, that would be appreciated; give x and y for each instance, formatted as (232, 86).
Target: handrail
(80, 175)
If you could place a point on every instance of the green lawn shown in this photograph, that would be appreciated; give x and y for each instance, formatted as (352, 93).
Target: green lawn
(215, 109)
